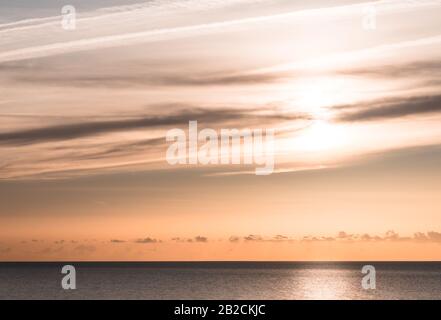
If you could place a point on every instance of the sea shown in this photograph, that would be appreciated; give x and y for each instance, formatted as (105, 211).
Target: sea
(221, 280)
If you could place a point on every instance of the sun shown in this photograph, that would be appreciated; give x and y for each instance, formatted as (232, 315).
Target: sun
(315, 104)
(321, 136)
(314, 97)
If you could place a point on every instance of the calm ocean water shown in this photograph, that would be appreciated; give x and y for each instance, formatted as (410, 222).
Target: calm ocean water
(221, 280)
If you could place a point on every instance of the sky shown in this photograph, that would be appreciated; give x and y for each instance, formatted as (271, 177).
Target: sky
(351, 88)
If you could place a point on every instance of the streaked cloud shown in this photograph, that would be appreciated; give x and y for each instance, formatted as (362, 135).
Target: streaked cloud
(111, 36)
(392, 108)
(146, 80)
(90, 128)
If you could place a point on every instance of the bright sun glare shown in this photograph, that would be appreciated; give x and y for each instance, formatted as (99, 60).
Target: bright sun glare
(321, 136)
(315, 97)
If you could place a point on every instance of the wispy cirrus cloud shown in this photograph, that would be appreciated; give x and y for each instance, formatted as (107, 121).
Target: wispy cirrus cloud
(90, 128)
(390, 108)
(109, 36)
(156, 80)
(411, 69)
